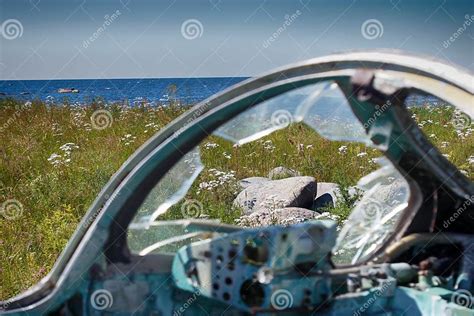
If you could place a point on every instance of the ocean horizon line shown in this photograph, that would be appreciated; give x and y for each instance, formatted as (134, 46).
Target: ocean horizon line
(129, 78)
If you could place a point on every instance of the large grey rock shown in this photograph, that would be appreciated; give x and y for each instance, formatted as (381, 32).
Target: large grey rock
(282, 172)
(282, 216)
(327, 187)
(323, 202)
(296, 191)
(245, 183)
(326, 195)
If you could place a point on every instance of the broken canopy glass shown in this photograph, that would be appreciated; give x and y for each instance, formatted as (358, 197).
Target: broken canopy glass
(322, 106)
(325, 109)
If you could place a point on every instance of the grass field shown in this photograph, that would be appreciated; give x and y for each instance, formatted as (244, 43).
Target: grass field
(53, 162)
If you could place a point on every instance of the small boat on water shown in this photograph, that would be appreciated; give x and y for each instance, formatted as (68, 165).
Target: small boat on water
(68, 90)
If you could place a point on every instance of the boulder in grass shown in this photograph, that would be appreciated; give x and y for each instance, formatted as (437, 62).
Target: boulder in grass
(283, 216)
(282, 172)
(326, 195)
(323, 202)
(245, 183)
(274, 194)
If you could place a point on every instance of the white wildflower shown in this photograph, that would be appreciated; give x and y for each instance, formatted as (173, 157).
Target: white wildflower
(68, 147)
(128, 139)
(54, 156)
(218, 178)
(210, 145)
(57, 160)
(342, 149)
(268, 145)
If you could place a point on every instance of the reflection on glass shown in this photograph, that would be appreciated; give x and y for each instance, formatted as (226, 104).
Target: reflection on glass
(167, 237)
(328, 113)
(374, 217)
(169, 190)
(321, 106)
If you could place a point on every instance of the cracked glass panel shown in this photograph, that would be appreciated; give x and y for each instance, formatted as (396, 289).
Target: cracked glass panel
(322, 106)
(293, 158)
(169, 190)
(328, 113)
(162, 237)
(375, 215)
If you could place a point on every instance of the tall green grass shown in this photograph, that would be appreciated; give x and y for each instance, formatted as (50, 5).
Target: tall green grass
(55, 195)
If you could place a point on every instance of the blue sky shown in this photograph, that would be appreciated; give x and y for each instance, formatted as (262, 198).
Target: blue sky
(146, 40)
